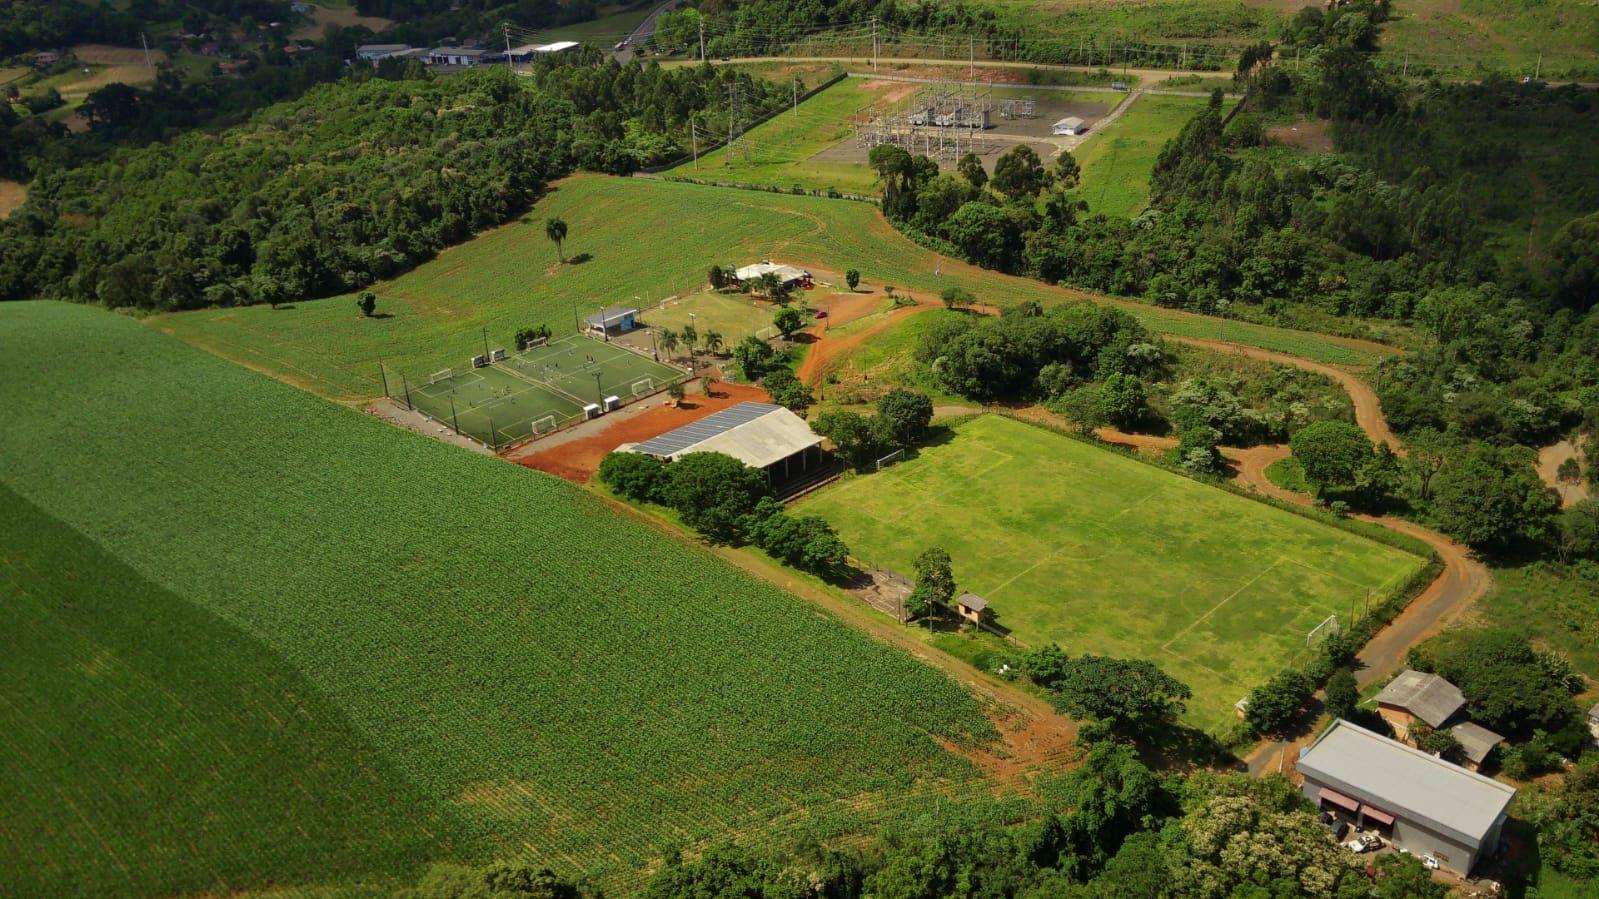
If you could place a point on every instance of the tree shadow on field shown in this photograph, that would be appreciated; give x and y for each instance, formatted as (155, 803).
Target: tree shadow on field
(579, 259)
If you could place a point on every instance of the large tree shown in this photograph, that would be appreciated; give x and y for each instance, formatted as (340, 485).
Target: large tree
(1018, 172)
(1491, 497)
(1332, 454)
(713, 493)
(905, 414)
(1131, 695)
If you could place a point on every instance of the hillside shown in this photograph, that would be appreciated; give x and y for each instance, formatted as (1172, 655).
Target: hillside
(252, 616)
(645, 239)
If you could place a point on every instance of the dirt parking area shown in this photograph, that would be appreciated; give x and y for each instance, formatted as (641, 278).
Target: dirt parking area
(575, 454)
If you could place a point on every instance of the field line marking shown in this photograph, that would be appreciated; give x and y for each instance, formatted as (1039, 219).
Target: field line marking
(1152, 494)
(1198, 621)
(1186, 660)
(1334, 574)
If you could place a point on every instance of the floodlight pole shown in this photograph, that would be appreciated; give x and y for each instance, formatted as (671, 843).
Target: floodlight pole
(494, 440)
(599, 392)
(383, 373)
(454, 422)
(486, 345)
(407, 385)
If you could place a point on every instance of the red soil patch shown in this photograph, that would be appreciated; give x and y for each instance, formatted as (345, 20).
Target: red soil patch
(847, 307)
(1311, 135)
(579, 458)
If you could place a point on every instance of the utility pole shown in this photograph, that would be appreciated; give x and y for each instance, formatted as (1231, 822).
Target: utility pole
(1538, 69)
(694, 135)
(702, 37)
(971, 58)
(794, 82)
(1405, 73)
(874, 43)
(151, 69)
(506, 27)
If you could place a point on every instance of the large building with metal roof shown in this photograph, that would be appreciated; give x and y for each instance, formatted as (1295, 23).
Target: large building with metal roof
(1422, 803)
(761, 435)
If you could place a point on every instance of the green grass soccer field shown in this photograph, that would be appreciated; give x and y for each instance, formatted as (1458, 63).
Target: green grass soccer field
(1100, 553)
(536, 390)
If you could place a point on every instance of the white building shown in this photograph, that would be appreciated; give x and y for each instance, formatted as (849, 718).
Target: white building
(1070, 126)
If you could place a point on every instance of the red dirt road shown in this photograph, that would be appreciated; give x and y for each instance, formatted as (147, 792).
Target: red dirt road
(578, 458)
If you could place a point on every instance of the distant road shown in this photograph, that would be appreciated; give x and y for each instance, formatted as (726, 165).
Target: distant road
(644, 31)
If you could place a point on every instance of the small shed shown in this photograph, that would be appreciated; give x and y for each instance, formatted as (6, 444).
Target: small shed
(972, 607)
(1071, 125)
(612, 320)
(1415, 695)
(1475, 742)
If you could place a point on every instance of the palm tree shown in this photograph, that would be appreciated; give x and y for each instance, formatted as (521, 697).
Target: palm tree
(555, 229)
(668, 341)
(713, 341)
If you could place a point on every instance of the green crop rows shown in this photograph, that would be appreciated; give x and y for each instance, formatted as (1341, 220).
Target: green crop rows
(523, 672)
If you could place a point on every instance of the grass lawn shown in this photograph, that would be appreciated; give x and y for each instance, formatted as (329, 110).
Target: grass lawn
(259, 641)
(1467, 37)
(735, 316)
(1117, 161)
(646, 239)
(779, 152)
(1100, 553)
(1555, 608)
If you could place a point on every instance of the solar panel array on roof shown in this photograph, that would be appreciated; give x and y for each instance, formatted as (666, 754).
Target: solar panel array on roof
(682, 438)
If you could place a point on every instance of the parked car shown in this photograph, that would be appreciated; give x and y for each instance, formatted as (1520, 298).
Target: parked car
(1366, 842)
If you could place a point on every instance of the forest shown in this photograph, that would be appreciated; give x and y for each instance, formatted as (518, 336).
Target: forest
(295, 203)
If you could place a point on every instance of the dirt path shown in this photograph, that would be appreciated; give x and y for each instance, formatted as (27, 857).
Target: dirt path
(1549, 459)
(826, 350)
(1368, 410)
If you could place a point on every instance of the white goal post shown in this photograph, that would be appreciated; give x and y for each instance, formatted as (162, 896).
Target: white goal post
(1322, 630)
(532, 342)
(890, 459)
(438, 376)
(643, 386)
(544, 425)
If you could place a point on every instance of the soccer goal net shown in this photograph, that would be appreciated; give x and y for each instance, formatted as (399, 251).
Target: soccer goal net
(544, 425)
(438, 376)
(643, 386)
(1322, 631)
(890, 459)
(533, 342)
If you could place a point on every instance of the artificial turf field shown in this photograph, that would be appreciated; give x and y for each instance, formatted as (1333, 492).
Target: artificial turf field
(646, 239)
(546, 385)
(257, 641)
(1081, 546)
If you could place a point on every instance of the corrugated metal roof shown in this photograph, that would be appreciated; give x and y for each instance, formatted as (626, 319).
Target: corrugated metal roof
(1476, 741)
(608, 314)
(784, 273)
(1394, 777)
(1427, 696)
(756, 434)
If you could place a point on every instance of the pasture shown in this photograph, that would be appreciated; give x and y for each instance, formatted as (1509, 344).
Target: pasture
(648, 240)
(1117, 161)
(1081, 546)
(274, 644)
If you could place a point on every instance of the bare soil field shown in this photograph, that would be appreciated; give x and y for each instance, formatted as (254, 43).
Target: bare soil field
(11, 196)
(120, 64)
(345, 17)
(1311, 135)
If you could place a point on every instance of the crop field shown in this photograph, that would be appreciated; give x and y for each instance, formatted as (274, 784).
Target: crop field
(619, 22)
(1117, 161)
(447, 656)
(1465, 37)
(1081, 546)
(542, 388)
(647, 239)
